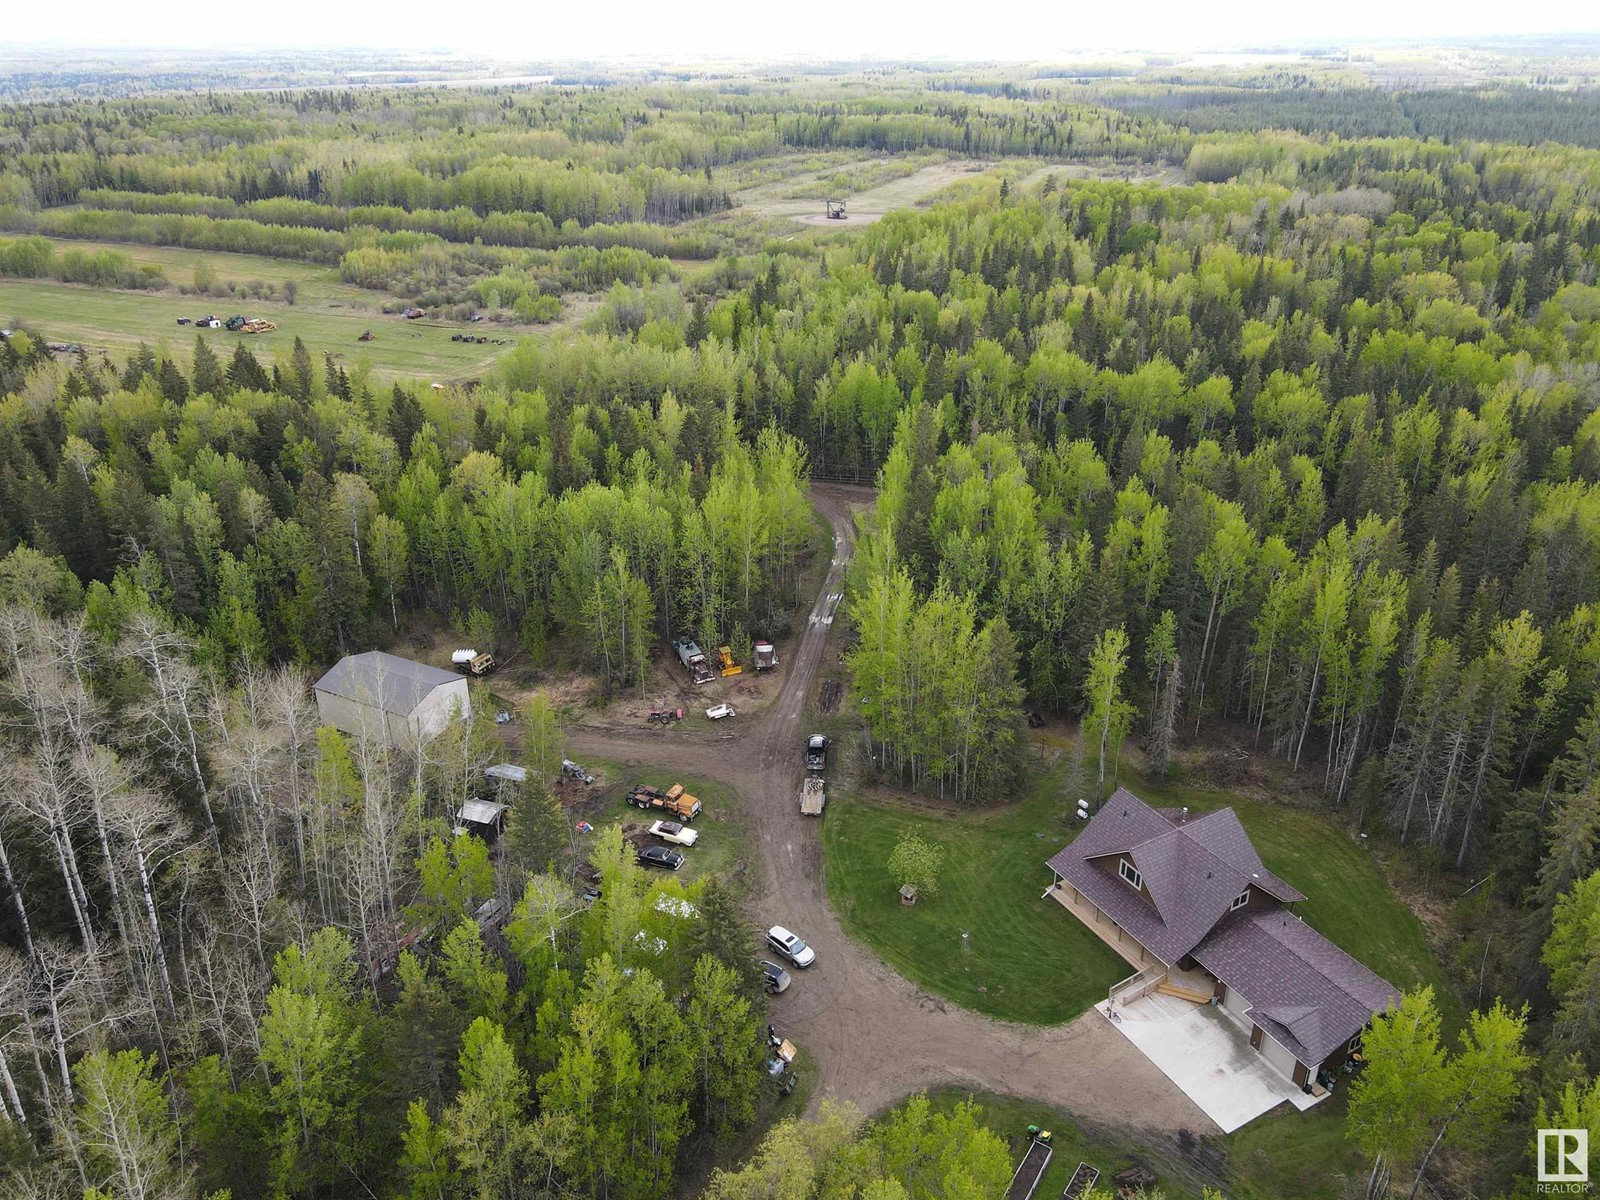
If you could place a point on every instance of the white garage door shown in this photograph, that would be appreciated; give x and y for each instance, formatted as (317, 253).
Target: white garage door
(1277, 1055)
(1235, 1003)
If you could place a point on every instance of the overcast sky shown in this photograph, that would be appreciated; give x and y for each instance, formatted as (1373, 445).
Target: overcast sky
(522, 29)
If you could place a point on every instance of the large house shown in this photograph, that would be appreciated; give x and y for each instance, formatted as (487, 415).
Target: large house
(391, 699)
(1187, 900)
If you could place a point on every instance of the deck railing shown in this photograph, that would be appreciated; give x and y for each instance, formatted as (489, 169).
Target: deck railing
(1134, 987)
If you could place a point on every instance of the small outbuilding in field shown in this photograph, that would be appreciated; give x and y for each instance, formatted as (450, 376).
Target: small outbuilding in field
(384, 696)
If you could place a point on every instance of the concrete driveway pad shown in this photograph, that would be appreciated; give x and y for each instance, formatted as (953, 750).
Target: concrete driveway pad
(1210, 1058)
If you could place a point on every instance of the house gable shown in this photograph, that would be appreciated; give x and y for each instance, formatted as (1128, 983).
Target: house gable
(1204, 896)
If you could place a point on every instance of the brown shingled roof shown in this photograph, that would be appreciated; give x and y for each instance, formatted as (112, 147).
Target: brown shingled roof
(1193, 867)
(1305, 991)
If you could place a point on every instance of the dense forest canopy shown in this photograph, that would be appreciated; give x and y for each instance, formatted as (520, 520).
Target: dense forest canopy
(1263, 409)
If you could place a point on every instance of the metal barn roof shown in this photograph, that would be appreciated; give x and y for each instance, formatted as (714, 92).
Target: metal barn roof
(383, 681)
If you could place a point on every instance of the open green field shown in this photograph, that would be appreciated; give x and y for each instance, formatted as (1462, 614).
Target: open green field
(315, 281)
(1027, 959)
(110, 320)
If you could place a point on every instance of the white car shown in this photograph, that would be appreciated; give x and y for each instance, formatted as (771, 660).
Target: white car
(790, 946)
(672, 831)
(717, 711)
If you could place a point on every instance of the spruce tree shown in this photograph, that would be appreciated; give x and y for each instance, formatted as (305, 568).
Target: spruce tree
(207, 375)
(245, 372)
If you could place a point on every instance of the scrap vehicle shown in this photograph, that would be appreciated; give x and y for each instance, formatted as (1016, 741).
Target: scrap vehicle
(470, 662)
(694, 660)
(766, 656)
(674, 800)
(571, 770)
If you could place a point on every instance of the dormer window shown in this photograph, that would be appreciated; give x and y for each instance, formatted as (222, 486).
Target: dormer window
(1240, 900)
(1130, 873)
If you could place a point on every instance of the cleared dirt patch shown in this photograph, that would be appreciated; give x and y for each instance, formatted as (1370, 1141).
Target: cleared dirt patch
(864, 207)
(832, 691)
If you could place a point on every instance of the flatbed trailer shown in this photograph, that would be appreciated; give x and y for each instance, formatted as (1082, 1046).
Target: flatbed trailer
(812, 796)
(1030, 1170)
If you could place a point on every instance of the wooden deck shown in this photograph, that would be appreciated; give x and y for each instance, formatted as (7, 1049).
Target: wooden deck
(1102, 926)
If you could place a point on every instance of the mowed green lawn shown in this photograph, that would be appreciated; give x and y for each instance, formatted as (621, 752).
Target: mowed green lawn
(1032, 961)
(102, 319)
(1026, 957)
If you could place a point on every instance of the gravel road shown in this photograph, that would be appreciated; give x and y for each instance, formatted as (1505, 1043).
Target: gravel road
(874, 1035)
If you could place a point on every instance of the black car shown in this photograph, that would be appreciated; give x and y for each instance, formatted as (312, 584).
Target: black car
(660, 856)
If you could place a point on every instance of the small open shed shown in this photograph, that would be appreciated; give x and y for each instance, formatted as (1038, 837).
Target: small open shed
(486, 818)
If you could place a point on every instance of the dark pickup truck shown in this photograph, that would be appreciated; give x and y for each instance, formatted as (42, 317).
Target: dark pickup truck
(816, 752)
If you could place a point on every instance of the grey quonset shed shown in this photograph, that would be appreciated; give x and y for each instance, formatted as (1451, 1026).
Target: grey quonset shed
(383, 696)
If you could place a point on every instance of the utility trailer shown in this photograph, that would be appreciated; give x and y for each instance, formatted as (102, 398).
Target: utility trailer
(766, 656)
(694, 660)
(1030, 1170)
(812, 796)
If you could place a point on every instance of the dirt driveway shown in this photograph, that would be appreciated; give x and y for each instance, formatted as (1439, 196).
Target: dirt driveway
(875, 1036)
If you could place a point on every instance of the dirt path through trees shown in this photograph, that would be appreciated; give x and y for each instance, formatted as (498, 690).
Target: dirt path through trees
(874, 1035)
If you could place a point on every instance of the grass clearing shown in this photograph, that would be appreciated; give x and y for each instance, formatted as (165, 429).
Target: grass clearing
(1028, 960)
(1024, 957)
(316, 281)
(102, 319)
(907, 191)
(723, 846)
